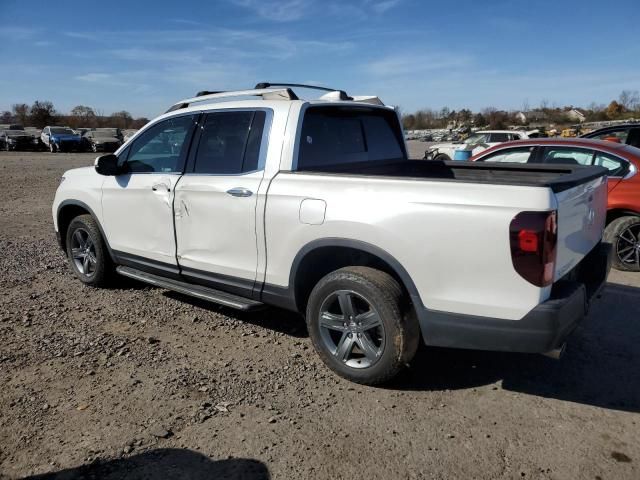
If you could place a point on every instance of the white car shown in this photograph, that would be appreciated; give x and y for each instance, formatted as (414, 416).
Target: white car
(314, 206)
(475, 143)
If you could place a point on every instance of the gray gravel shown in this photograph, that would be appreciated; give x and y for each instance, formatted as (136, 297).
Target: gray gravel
(137, 382)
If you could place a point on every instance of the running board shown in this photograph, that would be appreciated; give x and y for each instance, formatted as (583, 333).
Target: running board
(204, 293)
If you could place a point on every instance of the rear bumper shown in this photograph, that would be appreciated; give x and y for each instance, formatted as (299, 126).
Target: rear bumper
(543, 329)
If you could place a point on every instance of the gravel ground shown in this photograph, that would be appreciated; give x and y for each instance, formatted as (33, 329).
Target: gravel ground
(139, 382)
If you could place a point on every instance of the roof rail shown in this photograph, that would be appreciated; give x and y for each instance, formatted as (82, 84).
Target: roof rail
(265, 93)
(343, 94)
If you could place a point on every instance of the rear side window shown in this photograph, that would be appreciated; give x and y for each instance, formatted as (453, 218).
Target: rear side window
(511, 155)
(332, 136)
(230, 143)
(616, 166)
(568, 156)
(500, 137)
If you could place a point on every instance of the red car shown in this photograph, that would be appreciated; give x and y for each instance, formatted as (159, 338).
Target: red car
(623, 162)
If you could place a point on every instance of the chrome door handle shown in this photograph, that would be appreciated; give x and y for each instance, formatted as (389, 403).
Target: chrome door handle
(240, 192)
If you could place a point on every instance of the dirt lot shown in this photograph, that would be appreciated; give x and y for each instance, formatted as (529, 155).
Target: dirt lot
(135, 381)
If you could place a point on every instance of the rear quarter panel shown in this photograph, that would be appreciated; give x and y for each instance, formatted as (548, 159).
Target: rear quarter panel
(451, 237)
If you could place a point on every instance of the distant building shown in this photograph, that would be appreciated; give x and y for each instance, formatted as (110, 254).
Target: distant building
(576, 115)
(530, 116)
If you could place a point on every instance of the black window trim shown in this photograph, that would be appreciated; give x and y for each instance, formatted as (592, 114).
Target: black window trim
(264, 141)
(188, 139)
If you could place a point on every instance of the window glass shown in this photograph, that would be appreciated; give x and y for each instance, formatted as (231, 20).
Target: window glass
(230, 143)
(512, 155)
(162, 147)
(619, 137)
(499, 137)
(343, 135)
(616, 166)
(568, 155)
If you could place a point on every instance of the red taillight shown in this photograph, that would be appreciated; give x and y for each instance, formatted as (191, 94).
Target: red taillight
(533, 237)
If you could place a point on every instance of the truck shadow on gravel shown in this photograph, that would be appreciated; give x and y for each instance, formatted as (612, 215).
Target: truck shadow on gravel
(601, 366)
(164, 463)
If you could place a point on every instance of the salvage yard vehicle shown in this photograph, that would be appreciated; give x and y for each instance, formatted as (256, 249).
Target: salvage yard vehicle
(61, 139)
(622, 162)
(476, 142)
(257, 197)
(103, 139)
(17, 139)
(628, 134)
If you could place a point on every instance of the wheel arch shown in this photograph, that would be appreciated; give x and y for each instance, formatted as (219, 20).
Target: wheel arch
(320, 257)
(615, 213)
(70, 209)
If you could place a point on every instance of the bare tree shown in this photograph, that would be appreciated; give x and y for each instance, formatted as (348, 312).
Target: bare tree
(629, 99)
(83, 116)
(21, 112)
(43, 113)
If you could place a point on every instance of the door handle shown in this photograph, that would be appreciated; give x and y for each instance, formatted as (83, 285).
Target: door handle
(240, 192)
(160, 186)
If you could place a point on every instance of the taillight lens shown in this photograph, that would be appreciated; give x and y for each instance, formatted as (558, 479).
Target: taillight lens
(534, 237)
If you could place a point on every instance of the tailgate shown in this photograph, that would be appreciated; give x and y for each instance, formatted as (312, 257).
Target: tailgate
(582, 212)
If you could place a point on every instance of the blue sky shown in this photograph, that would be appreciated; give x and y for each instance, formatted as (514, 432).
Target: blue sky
(142, 56)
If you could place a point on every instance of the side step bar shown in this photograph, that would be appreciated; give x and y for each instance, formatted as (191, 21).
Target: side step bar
(204, 293)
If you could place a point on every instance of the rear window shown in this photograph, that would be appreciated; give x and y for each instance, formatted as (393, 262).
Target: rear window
(333, 136)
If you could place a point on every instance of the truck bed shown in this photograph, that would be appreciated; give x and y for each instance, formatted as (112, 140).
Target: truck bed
(556, 177)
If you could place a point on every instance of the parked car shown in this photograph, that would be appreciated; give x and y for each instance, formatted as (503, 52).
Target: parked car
(628, 134)
(314, 206)
(128, 134)
(61, 139)
(103, 139)
(476, 142)
(17, 139)
(621, 161)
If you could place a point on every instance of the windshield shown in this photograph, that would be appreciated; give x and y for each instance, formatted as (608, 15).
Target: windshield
(61, 131)
(335, 136)
(477, 138)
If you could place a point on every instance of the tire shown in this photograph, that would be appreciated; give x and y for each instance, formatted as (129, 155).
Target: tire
(94, 149)
(389, 334)
(624, 236)
(442, 157)
(90, 262)
(52, 147)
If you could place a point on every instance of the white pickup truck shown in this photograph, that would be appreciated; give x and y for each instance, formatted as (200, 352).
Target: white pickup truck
(253, 198)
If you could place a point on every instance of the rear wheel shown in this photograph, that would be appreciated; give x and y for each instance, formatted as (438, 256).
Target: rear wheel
(624, 236)
(87, 252)
(442, 157)
(358, 325)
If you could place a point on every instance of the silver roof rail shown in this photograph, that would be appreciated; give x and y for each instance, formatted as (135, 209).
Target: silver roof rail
(265, 93)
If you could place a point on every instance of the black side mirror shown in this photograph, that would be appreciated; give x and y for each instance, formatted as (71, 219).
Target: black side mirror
(107, 165)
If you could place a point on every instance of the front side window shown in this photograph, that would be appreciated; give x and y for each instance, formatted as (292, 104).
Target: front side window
(162, 147)
(334, 136)
(616, 166)
(568, 156)
(509, 155)
(230, 143)
(619, 136)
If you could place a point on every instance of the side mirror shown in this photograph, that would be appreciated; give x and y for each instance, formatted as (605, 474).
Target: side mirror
(107, 165)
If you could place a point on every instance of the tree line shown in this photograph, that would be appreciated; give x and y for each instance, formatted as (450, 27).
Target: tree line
(43, 113)
(626, 106)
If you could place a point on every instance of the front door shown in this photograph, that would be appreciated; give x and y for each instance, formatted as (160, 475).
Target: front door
(138, 205)
(216, 201)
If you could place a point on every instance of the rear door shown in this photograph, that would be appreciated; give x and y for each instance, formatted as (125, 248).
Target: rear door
(216, 200)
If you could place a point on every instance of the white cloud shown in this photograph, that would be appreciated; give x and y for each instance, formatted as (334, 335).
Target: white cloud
(382, 7)
(278, 11)
(404, 64)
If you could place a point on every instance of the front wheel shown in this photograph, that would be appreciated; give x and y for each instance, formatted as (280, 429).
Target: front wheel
(87, 252)
(52, 147)
(442, 157)
(358, 326)
(624, 236)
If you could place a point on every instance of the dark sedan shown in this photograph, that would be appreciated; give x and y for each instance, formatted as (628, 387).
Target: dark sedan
(18, 140)
(628, 134)
(103, 139)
